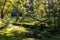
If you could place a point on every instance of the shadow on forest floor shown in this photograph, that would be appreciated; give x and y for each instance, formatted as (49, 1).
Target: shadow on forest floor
(27, 32)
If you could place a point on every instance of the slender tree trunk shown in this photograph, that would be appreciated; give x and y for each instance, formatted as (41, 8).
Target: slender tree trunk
(2, 11)
(17, 18)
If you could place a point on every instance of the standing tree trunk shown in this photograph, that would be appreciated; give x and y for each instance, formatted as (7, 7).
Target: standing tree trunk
(2, 11)
(17, 18)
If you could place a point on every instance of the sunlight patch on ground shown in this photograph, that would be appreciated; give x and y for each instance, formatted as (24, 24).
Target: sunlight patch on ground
(29, 39)
(9, 31)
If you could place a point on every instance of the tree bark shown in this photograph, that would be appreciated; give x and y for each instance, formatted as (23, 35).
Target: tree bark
(17, 18)
(2, 11)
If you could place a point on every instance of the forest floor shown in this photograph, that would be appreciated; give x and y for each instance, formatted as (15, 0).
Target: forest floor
(13, 32)
(18, 33)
